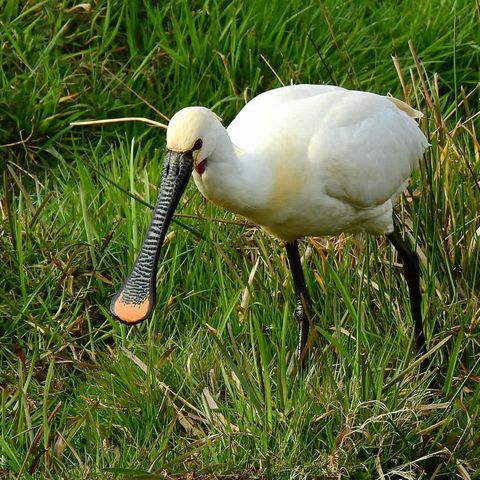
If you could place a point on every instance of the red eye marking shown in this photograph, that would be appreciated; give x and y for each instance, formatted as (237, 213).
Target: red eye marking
(198, 144)
(200, 167)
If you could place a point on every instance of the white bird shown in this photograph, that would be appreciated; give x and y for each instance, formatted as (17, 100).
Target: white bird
(303, 160)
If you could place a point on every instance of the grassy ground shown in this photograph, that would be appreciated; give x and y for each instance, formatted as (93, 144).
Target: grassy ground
(204, 389)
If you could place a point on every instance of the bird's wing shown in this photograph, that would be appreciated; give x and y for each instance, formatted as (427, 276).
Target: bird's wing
(367, 149)
(358, 147)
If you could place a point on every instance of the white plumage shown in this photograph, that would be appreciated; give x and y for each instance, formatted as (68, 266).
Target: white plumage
(308, 159)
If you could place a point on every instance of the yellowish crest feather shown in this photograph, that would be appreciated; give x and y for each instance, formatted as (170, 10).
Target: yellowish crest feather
(187, 126)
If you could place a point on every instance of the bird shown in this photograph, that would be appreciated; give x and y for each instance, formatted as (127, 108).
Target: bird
(299, 160)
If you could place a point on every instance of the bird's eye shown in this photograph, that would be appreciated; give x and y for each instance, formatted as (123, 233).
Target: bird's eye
(198, 144)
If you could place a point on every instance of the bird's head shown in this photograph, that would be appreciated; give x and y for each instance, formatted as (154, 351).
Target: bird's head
(193, 129)
(191, 138)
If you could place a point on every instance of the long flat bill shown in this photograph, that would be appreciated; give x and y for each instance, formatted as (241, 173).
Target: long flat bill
(136, 298)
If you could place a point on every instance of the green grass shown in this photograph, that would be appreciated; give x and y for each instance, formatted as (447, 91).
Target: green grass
(205, 388)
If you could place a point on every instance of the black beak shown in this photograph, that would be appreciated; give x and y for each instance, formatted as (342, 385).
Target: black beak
(136, 298)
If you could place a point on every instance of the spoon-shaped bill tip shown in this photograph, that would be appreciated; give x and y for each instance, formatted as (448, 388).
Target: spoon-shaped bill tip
(129, 312)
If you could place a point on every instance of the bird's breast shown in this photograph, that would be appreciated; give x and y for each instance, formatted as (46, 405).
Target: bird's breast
(265, 189)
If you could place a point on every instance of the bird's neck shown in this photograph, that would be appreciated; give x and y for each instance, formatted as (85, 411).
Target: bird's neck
(232, 178)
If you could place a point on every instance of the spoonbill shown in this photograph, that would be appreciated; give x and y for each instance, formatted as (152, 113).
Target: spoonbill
(301, 160)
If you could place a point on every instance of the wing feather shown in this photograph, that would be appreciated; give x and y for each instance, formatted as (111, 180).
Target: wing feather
(362, 146)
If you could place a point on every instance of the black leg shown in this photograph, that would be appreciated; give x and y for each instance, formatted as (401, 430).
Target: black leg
(411, 269)
(304, 304)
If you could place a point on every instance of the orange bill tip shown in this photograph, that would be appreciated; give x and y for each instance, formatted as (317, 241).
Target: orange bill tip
(130, 313)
